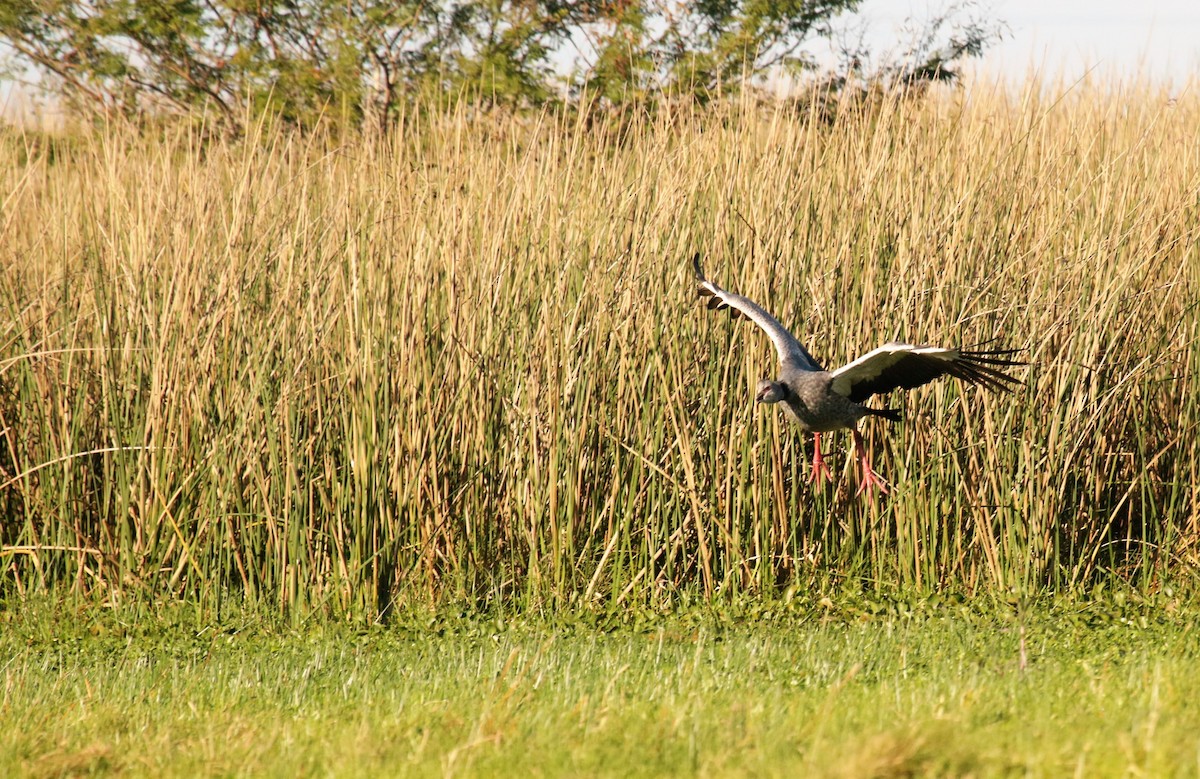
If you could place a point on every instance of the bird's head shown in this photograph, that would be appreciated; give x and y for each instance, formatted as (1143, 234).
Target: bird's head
(770, 391)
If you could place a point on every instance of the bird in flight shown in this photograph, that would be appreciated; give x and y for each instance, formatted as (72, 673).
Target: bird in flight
(822, 401)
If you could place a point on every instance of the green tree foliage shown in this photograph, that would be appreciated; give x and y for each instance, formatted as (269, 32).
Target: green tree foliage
(356, 60)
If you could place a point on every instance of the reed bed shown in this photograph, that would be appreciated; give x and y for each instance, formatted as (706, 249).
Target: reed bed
(465, 363)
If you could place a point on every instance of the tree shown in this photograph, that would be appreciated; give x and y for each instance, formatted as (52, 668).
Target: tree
(356, 60)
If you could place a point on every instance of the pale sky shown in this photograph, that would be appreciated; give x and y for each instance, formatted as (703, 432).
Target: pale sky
(1158, 39)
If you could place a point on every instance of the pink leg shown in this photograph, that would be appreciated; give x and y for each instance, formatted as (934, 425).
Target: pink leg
(820, 471)
(870, 479)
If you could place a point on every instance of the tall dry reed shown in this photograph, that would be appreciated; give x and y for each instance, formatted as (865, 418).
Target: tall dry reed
(465, 362)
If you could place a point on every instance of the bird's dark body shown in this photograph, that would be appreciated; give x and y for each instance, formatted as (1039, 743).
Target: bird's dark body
(811, 403)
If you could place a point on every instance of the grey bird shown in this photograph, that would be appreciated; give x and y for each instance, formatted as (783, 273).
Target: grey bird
(822, 401)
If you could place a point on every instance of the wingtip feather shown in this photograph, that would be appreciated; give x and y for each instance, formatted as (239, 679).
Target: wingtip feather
(994, 357)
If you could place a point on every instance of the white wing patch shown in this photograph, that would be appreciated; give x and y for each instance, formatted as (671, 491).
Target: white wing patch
(905, 366)
(874, 364)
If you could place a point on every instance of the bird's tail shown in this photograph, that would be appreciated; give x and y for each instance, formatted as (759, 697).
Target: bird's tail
(887, 413)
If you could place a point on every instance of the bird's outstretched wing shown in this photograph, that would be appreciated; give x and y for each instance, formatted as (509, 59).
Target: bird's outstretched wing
(790, 350)
(897, 365)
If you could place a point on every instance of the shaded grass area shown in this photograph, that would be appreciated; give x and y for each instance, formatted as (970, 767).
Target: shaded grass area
(1106, 688)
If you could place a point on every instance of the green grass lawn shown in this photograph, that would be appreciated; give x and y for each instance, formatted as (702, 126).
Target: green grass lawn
(1108, 690)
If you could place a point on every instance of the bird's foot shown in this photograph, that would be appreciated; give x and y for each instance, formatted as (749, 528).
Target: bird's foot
(871, 481)
(820, 471)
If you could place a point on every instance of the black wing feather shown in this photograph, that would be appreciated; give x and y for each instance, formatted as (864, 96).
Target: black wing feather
(913, 369)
